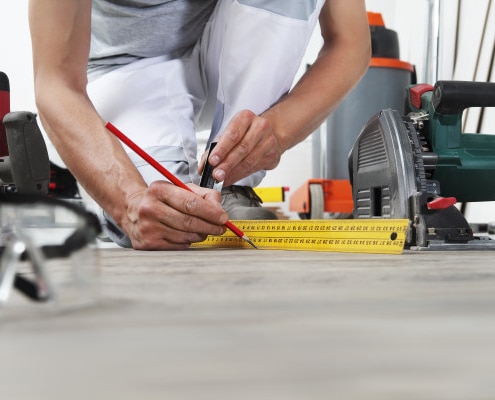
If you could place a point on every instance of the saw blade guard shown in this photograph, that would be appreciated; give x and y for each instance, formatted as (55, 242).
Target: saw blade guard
(379, 168)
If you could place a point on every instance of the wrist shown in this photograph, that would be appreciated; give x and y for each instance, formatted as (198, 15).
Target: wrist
(279, 130)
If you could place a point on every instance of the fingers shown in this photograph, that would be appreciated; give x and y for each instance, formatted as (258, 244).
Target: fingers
(169, 217)
(247, 145)
(208, 194)
(198, 211)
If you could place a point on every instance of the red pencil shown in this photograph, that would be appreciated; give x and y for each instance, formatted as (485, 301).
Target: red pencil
(166, 173)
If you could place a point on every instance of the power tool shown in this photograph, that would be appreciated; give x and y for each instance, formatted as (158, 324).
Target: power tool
(420, 165)
(39, 192)
(24, 163)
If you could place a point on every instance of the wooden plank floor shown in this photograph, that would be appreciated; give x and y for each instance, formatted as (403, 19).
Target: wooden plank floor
(247, 324)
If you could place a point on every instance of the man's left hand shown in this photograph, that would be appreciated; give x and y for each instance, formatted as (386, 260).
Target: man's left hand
(247, 145)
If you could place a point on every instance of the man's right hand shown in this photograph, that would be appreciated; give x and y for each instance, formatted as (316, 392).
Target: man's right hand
(165, 216)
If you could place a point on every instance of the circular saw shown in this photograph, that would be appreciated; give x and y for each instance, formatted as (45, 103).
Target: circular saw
(420, 165)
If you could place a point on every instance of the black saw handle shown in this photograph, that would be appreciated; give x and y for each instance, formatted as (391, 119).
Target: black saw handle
(453, 97)
(28, 164)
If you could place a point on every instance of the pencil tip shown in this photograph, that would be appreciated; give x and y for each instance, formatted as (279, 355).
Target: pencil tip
(249, 241)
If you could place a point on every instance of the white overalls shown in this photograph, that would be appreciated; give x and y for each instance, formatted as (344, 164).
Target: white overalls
(247, 58)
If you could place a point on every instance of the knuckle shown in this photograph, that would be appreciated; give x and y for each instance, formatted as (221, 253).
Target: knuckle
(245, 114)
(249, 164)
(243, 149)
(272, 157)
(234, 134)
(264, 123)
(145, 209)
(272, 142)
(157, 187)
(191, 205)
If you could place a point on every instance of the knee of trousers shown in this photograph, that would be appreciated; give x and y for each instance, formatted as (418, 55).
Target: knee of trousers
(301, 9)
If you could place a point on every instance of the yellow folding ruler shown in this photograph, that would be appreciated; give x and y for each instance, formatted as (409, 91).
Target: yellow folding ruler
(384, 236)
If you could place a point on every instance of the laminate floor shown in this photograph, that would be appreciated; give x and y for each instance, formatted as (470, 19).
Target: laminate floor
(247, 324)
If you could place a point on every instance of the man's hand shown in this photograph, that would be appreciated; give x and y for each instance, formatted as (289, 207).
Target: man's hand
(165, 216)
(247, 145)
(251, 142)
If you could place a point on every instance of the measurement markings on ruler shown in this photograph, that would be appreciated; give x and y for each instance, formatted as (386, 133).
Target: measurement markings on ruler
(359, 236)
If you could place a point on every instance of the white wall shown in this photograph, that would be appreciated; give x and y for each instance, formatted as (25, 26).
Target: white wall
(15, 53)
(407, 17)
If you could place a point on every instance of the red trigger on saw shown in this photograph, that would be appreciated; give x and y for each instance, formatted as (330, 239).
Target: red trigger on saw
(441, 203)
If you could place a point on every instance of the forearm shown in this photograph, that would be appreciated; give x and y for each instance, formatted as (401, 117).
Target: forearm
(340, 64)
(60, 33)
(93, 155)
(318, 93)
